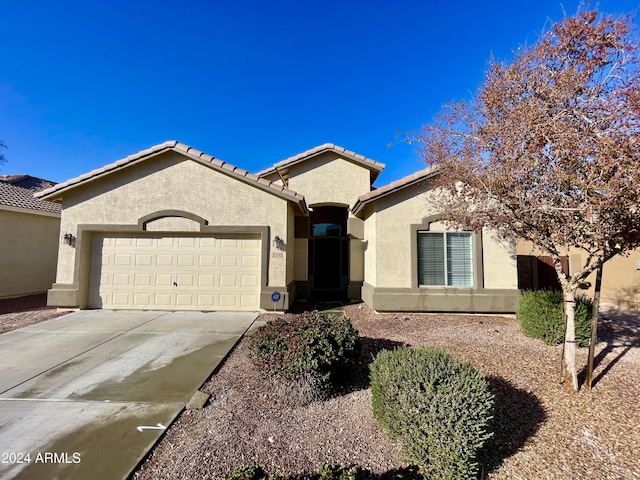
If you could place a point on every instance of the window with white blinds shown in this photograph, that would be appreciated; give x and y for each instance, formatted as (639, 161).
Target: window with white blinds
(445, 259)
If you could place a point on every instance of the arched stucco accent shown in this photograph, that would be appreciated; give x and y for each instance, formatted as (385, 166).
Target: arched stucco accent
(438, 218)
(148, 220)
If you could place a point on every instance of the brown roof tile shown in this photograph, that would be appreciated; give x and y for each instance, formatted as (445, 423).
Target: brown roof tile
(55, 192)
(392, 187)
(18, 191)
(375, 166)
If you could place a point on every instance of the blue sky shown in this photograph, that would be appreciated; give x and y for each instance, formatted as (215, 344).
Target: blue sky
(83, 84)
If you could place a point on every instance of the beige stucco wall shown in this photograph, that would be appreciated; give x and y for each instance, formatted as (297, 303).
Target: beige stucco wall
(171, 182)
(391, 240)
(28, 251)
(370, 237)
(301, 264)
(329, 179)
(290, 246)
(499, 261)
(620, 278)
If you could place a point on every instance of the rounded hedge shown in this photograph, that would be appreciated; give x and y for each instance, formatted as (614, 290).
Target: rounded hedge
(541, 315)
(439, 408)
(313, 345)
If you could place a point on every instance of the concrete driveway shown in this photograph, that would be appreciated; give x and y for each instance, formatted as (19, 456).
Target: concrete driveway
(88, 394)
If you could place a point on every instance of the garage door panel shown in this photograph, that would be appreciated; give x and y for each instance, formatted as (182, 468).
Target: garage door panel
(142, 299)
(207, 260)
(226, 243)
(122, 279)
(247, 301)
(142, 279)
(228, 301)
(184, 300)
(249, 261)
(164, 280)
(206, 301)
(182, 272)
(120, 299)
(185, 280)
(206, 280)
(164, 260)
(228, 261)
(206, 242)
(228, 281)
(144, 242)
(122, 259)
(124, 242)
(249, 280)
(163, 300)
(144, 260)
(251, 243)
(165, 242)
(186, 260)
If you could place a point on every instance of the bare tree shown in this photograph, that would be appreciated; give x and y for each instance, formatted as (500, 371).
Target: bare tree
(548, 150)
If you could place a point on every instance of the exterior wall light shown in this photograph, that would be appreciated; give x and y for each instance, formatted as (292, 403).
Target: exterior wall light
(278, 243)
(67, 239)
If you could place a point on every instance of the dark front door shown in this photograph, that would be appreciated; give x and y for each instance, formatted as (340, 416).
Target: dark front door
(328, 252)
(327, 263)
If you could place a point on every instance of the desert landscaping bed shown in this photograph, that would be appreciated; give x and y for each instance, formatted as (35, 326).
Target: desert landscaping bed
(24, 311)
(541, 430)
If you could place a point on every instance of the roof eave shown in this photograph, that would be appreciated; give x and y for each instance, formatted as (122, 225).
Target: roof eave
(56, 194)
(390, 189)
(374, 166)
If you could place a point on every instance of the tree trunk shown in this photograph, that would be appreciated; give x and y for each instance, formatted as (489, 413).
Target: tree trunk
(594, 328)
(570, 371)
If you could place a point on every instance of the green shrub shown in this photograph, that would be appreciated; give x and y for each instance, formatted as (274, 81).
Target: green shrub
(439, 409)
(327, 472)
(313, 347)
(254, 472)
(541, 315)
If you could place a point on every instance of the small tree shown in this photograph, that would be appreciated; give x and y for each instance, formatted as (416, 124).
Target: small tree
(549, 149)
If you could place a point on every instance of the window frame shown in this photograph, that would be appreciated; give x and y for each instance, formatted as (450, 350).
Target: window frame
(445, 261)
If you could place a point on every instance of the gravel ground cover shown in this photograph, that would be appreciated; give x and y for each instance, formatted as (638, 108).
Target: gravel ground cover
(23, 311)
(541, 430)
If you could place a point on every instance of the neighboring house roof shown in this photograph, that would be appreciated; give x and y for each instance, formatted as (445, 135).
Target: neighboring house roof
(56, 193)
(282, 168)
(18, 191)
(413, 179)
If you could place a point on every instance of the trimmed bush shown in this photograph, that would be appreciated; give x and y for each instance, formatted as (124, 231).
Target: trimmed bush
(327, 472)
(312, 349)
(541, 315)
(437, 407)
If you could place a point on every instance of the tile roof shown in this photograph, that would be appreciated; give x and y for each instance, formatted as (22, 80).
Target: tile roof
(55, 193)
(373, 165)
(18, 191)
(392, 187)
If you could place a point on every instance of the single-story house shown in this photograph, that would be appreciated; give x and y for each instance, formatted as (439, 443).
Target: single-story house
(28, 237)
(171, 227)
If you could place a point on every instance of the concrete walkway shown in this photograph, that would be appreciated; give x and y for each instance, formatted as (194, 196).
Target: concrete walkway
(87, 395)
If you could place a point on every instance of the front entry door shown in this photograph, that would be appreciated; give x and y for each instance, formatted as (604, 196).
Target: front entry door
(327, 263)
(328, 252)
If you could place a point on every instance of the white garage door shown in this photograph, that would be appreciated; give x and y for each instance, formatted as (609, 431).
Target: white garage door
(175, 272)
